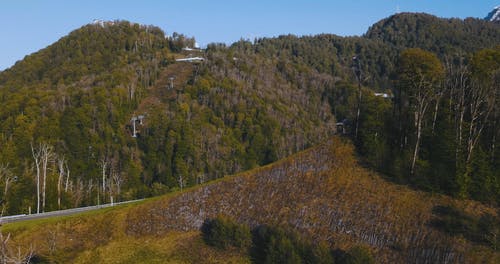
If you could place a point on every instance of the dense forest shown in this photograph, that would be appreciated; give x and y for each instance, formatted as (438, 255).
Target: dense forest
(66, 131)
(438, 126)
(67, 139)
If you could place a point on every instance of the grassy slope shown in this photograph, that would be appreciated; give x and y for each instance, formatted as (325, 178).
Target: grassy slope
(99, 237)
(321, 193)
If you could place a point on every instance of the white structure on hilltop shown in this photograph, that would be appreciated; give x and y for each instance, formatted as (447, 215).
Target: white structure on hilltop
(383, 95)
(192, 59)
(102, 23)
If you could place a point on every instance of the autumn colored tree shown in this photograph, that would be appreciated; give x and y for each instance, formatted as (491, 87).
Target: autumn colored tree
(419, 79)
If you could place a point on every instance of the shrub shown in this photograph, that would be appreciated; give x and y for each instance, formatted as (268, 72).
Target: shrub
(318, 254)
(222, 232)
(358, 255)
(268, 244)
(274, 245)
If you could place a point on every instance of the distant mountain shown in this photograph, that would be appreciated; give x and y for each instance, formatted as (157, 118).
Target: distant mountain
(379, 46)
(439, 35)
(494, 15)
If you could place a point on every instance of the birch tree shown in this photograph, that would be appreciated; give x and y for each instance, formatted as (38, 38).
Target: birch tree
(37, 153)
(483, 95)
(61, 167)
(104, 164)
(6, 177)
(42, 155)
(47, 155)
(420, 74)
(458, 84)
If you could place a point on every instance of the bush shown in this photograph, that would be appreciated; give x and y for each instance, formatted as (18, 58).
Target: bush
(274, 245)
(358, 255)
(319, 254)
(268, 244)
(222, 232)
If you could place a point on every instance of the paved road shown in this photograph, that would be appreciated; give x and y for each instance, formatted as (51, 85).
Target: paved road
(24, 217)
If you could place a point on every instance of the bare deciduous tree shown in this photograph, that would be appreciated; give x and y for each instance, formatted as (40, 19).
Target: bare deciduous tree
(47, 155)
(37, 157)
(481, 104)
(15, 256)
(117, 178)
(61, 166)
(457, 83)
(6, 177)
(181, 181)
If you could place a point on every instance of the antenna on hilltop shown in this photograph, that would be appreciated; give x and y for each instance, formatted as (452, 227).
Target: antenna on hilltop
(134, 131)
(397, 9)
(171, 78)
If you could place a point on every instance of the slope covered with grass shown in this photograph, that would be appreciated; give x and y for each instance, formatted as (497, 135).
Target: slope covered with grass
(321, 193)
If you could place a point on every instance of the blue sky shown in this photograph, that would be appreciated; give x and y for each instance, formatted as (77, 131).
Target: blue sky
(29, 25)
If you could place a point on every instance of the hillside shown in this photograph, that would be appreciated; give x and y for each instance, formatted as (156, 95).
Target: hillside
(76, 99)
(440, 35)
(455, 152)
(108, 113)
(322, 193)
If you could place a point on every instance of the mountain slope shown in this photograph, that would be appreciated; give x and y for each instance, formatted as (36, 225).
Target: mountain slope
(321, 193)
(378, 48)
(442, 36)
(326, 196)
(79, 95)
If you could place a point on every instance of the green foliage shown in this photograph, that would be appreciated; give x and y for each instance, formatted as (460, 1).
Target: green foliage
(247, 105)
(417, 67)
(434, 137)
(275, 245)
(73, 95)
(373, 139)
(222, 232)
(388, 137)
(442, 36)
(358, 255)
(268, 244)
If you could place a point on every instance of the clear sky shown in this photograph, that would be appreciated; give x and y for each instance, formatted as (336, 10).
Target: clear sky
(29, 25)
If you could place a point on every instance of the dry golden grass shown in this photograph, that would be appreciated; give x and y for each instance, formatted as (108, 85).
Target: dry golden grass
(321, 193)
(173, 247)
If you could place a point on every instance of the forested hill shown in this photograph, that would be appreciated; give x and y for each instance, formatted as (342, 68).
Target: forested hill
(91, 51)
(68, 111)
(446, 37)
(66, 132)
(379, 47)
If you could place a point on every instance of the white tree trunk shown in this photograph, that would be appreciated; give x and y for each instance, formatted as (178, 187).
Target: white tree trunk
(36, 156)
(61, 161)
(104, 165)
(47, 156)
